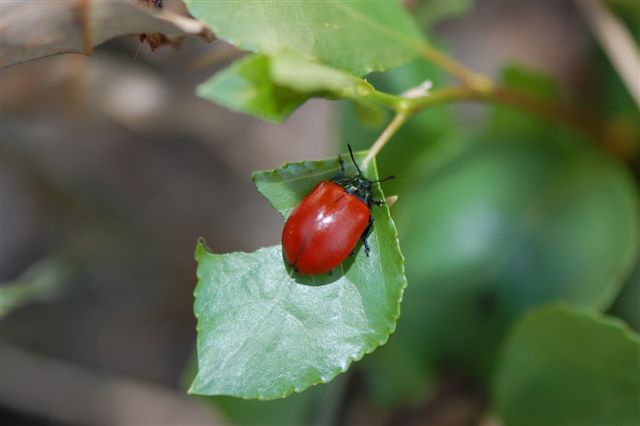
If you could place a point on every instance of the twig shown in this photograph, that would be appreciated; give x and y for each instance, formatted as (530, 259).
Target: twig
(543, 108)
(465, 75)
(384, 137)
(85, 23)
(616, 41)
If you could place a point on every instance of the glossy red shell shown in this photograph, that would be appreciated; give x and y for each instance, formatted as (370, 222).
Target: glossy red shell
(323, 229)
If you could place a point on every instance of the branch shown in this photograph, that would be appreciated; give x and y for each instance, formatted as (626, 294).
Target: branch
(469, 78)
(384, 137)
(616, 41)
(479, 87)
(563, 114)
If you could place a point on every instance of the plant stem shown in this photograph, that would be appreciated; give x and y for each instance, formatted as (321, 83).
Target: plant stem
(384, 137)
(478, 87)
(549, 110)
(577, 119)
(465, 75)
(394, 102)
(412, 105)
(542, 108)
(616, 41)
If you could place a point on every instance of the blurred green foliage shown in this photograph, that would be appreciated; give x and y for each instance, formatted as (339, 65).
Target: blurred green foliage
(626, 306)
(568, 366)
(428, 13)
(497, 216)
(629, 12)
(316, 406)
(41, 282)
(492, 225)
(502, 228)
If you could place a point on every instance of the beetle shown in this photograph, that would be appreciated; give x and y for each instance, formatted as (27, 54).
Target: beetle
(324, 229)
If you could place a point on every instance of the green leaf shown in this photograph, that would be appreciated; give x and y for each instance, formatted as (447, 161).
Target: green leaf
(494, 225)
(265, 332)
(272, 87)
(246, 86)
(507, 119)
(430, 12)
(42, 282)
(305, 76)
(629, 13)
(528, 81)
(568, 366)
(355, 36)
(500, 229)
(626, 306)
(425, 142)
(397, 377)
(319, 405)
(612, 100)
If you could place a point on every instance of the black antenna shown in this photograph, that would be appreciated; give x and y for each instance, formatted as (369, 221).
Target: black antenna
(354, 160)
(385, 179)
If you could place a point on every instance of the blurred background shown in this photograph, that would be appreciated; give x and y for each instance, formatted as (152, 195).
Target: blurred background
(111, 168)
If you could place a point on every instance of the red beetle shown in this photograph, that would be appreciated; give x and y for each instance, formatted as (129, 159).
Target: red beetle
(326, 226)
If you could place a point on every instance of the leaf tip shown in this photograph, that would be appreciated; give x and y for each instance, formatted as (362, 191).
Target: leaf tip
(202, 90)
(201, 248)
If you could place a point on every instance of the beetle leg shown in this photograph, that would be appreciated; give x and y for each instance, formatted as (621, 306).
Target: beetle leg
(341, 165)
(365, 235)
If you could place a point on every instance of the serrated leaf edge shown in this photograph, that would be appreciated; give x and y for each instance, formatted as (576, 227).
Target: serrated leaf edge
(203, 249)
(418, 44)
(355, 357)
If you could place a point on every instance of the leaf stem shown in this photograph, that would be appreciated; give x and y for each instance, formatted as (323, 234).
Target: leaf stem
(479, 87)
(384, 137)
(394, 102)
(464, 74)
(542, 108)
